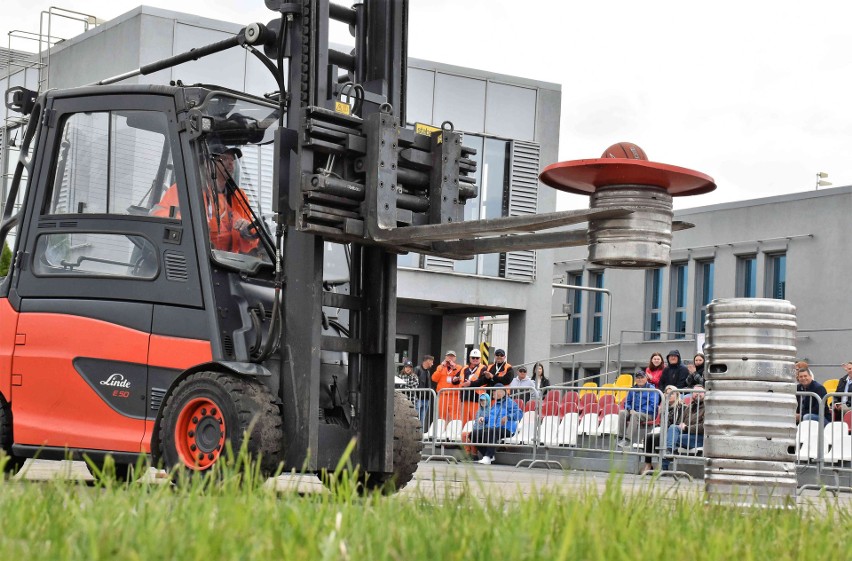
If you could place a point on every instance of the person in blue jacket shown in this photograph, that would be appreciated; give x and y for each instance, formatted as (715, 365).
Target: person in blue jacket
(640, 407)
(502, 422)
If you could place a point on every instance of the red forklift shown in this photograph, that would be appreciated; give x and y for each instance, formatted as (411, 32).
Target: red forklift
(156, 307)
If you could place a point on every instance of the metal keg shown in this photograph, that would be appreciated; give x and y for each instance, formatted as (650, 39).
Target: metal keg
(641, 239)
(749, 482)
(751, 339)
(750, 415)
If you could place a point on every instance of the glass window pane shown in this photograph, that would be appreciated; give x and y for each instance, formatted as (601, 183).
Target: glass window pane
(420, 93)
(461, 101)
(84, 254)
(510, 111)
(110, 163)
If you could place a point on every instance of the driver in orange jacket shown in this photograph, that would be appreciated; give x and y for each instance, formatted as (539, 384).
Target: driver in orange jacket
(229, 220)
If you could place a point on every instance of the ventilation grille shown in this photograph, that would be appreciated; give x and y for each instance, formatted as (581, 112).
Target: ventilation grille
(523, 201)
(176, 266)
(228, 345)
(157, 395)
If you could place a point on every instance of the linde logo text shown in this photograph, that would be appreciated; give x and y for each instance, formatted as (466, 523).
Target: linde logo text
(116, 380)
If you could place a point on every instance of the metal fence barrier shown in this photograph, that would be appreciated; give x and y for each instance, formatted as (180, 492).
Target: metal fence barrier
(555, 426)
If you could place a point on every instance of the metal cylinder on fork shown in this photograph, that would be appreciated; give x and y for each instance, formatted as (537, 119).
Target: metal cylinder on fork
(641, 239)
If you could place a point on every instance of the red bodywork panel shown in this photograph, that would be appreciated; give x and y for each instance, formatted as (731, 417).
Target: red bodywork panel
(55, 406)
(8, 327)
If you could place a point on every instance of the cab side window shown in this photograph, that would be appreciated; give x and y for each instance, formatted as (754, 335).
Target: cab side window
(113, 162)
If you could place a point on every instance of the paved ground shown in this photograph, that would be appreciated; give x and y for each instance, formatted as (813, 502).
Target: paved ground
(440, 480)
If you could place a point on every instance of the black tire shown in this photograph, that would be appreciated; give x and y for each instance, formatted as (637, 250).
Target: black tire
(13, 463)
(204, 402)
(407, 447)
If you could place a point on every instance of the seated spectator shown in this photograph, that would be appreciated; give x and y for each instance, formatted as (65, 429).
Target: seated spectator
(675, 373)
(690, 432)
(674, 411)
(696, 371)
(843, 403)
(502, 422)
(522, 387)
(807, 406)
(639, 408)
(478, 420)
(654, 370)
(541, 381)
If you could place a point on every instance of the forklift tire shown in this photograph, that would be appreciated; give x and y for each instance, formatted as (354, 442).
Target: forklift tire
(209, 409)
(13, 463)
(407, 447)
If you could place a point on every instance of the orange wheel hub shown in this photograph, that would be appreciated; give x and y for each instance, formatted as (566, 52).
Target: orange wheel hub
(200, 433)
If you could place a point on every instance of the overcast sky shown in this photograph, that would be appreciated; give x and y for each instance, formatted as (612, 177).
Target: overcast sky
(757, 95)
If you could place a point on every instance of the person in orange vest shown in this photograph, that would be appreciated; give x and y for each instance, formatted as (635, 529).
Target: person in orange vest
(501, 372)
(470, 374)
(448, 375)
(229, 219)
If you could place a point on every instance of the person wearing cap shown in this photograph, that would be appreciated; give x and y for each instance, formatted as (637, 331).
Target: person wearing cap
(500, 372)
(448, 375)
(639, 408)
(807, 406)
(502, 422)
(522, 386)
(229, 219)
(409, 377)
(470, 374)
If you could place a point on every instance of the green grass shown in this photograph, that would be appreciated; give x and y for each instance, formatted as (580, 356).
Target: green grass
(226, 518)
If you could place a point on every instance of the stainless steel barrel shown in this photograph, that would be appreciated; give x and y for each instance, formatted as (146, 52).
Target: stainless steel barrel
(750, 415)
(642, 239)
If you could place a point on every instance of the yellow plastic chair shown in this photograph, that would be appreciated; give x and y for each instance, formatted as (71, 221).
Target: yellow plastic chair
(588, 385)
(607, 392)
(830, 386)
(624, 381)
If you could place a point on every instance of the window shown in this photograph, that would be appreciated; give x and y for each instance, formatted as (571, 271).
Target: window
(747, 276)
(102, 255)
(653, 304)
(679, 279)
(112, 163)
(492, 158)
(704, 292)
(575, 301)
(776, 276)
(592, 375)
(596, 279)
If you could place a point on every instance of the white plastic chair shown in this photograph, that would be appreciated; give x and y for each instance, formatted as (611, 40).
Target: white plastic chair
(589, 424)
(609, 424)
(807, 440)
(549, 431)
(436, 430)
(525, 433)
(569, 428)
(453, 430)
(468, 426)
(838, 443)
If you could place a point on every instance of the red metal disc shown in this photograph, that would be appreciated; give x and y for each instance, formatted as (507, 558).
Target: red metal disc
(583, 177)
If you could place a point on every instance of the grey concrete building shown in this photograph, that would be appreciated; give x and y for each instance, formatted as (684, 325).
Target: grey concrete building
(790, 246)
(512, 122)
